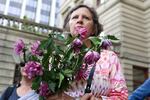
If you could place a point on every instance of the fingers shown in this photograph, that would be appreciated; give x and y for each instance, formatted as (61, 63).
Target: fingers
(52, 97)
(87, 96)
(92, 98)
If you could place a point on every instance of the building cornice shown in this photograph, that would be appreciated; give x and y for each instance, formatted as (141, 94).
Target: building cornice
(69, 4)
(140, 4)
(105, 6)
(65, 6)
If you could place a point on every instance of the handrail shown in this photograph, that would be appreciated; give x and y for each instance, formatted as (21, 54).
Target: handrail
(26, 25)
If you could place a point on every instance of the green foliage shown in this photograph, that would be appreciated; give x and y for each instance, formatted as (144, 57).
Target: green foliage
(113, 39)
(95, 40)
(36, 83)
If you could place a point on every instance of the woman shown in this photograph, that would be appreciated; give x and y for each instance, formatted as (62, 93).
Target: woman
(21, 92)
(108, 81)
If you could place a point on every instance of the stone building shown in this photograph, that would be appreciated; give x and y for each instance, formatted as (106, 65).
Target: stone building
(129, 20)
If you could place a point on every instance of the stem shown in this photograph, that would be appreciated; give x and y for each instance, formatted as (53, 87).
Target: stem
(24, 55)
(76, 63)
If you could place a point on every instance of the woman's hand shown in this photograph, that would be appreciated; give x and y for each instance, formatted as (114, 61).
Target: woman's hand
(89, 96)
(61, 96)
(95, 98)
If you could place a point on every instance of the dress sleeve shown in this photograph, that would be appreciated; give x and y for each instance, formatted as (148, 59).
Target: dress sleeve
(118, 89)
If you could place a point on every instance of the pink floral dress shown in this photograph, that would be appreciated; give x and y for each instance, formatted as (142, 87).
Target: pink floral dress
(108, 80)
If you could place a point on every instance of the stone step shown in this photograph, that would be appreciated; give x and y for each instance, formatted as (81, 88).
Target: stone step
(6, 50)
(6, 58)
(6, 43)
(6, 73)
(7, 65)
(6, 80)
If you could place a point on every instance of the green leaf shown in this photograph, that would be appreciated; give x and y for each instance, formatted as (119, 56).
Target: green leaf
(61, 77)
(95, 40)
(45, 60)
(59, 50)
(60, 37)
(43, 44)
(69, 40)
(67, 55)
(46, 75)
(41, 98)
(115, 42)
(31, 57)
(112, 37)
(52, 86)
(68, 72)
(71, 56)
(35, 85)
(49, 43)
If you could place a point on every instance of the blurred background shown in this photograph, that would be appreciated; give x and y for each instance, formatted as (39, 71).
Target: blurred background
(30, 20)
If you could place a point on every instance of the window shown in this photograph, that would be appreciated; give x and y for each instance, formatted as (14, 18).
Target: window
(32, 3)
(31, 9)
(18, 1)
(2, 7)
(13, 11)
(46, 7)
(140, 74)
(15, 4)
(14, 8)
(44, 19)
(48, 2)
(3, 2)
(30, 15)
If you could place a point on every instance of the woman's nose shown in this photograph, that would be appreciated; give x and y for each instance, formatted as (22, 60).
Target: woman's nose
(80, 20)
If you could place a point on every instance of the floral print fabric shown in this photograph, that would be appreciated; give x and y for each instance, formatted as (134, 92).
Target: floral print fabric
(108, 80)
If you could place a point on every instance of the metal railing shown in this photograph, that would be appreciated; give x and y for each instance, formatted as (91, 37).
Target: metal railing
(26, 25)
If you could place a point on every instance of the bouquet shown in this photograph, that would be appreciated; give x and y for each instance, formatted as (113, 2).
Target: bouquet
(53, 67)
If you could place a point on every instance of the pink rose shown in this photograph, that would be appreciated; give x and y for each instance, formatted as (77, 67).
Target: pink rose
(19, 46)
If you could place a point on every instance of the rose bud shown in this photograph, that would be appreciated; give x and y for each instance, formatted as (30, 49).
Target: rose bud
(106, 44)
(35, 49)
(44, 89)
(19, 47)
(76, 45)
(91, 57)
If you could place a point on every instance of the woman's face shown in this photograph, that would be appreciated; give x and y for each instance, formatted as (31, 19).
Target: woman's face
(81, 17)
(23, 73)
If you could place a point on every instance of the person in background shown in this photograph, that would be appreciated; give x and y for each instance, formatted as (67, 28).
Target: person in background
(108, 82)
(23, 91)
(141, 92)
